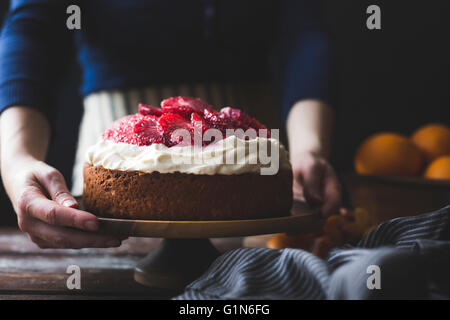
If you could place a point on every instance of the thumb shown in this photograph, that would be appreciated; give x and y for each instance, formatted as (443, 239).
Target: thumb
(55, 185)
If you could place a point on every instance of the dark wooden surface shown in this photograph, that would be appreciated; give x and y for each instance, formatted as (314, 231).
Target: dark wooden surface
(27, 272)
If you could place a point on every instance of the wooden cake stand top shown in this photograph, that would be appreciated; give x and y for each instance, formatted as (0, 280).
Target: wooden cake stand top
(302, 219)
(187, 244)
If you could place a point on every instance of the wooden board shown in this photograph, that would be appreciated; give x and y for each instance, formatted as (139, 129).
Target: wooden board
(28, 272)
(302, 219)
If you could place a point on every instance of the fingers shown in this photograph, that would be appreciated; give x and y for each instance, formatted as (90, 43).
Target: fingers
(47, 236)
(297, 189)
(39, 242)
(316, 181)
(346, 213)
(53, 181)
(313, 182)
(35, 205)
(49, 222)
(332, 193)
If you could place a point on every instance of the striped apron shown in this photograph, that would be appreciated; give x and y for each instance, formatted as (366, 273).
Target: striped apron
(104, 107)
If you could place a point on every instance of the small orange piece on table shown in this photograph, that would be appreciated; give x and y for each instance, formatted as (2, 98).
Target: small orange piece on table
(283, 240)
(322, 246)
(337, 230)
(333, 228)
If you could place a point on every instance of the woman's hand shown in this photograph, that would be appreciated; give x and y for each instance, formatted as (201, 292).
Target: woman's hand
(309, 127)
(315, 181)
(47, 212)
(45, 209)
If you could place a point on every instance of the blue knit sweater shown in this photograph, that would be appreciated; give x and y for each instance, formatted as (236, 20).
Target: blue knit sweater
(136, 43)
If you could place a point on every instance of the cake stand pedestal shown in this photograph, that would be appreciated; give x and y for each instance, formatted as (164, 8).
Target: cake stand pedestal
(186, 251)
(175, 263)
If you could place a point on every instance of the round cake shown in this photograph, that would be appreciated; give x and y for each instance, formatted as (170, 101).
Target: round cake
(187, 161)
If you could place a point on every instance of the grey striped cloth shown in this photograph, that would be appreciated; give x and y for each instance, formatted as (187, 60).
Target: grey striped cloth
(413, 254)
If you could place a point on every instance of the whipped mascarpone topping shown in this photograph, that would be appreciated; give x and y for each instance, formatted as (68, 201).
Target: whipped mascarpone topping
(228, 156)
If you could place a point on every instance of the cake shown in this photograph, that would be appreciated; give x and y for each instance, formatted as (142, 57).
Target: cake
(187, 161)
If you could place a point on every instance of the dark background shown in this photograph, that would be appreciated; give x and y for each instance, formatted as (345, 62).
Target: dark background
(394, 79)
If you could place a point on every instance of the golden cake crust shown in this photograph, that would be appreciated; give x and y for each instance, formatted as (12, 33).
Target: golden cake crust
(182, 196)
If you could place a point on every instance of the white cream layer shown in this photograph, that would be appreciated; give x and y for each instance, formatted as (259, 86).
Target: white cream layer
(218, 158)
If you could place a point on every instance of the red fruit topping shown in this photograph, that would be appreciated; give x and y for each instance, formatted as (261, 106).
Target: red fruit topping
(197, 122)
(185, 106)
(215, 120)
(200, 125)
(185, 112)
(155, 125)
(147, 110)
(193, 103)
(147, 129)
(121, 130)
(168, 123)
(239, 119)
(135, 129)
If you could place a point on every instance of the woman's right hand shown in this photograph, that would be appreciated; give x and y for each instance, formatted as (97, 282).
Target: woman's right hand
(45, 209)
(47, 212)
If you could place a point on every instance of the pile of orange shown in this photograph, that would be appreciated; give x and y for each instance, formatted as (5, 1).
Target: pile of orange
(337, 230)
(425, 153)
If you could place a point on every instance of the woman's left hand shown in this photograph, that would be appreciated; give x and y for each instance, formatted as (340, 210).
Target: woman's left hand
(316, 182)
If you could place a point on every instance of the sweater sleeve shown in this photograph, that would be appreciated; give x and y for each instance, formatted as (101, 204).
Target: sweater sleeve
(306, 63)
(34, 46)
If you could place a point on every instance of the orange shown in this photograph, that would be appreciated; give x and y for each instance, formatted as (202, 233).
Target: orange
(439, 168)
(433, 140)
(283, 240)
(322, 246)
(333, 228)
(363, 220)
(279, 241)
(388, 154)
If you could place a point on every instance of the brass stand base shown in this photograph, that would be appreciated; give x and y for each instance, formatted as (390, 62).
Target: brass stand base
(176, 263)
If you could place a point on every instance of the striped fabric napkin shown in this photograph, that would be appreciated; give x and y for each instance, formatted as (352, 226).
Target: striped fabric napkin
(403, 258)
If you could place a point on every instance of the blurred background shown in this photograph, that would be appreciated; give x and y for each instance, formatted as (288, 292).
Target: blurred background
(394, 79)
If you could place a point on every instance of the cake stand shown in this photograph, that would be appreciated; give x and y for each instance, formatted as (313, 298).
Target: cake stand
(186, 251)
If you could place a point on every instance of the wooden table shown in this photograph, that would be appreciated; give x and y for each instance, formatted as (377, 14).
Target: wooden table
(27, 272)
